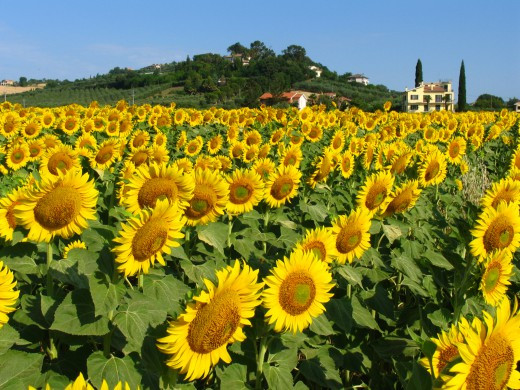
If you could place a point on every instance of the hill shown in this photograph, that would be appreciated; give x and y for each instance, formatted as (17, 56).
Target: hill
(230, 81)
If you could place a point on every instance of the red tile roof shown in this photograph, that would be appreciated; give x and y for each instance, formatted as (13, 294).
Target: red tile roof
(266, 96)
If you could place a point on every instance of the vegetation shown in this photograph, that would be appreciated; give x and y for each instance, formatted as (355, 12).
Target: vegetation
(461, 104)
(418, 73)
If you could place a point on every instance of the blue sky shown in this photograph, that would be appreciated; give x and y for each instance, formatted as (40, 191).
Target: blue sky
(382, 39)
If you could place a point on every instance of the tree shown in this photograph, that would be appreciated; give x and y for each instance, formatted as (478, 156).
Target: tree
(258, 49)
(489, 102)
(418, 73)
(295, 53)
(427, 99)
(22, 82)
(237, 48)
(446, 99)
(461, 105)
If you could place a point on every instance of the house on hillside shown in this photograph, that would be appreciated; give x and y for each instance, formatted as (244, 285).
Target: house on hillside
(316, 70)
(292, 97)
(7, 83)
(517, 106)
(238, 58)
(429, 97)
(358, 78)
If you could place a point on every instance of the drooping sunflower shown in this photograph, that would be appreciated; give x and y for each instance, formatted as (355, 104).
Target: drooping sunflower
(58, 206)
(156, 181)
(59, 160)
(8, 295)
(209, 199)
(497, 229)
(144, 238)
(296, 290)
(7, 218)
(140, 156)
(321, 243)
(282, 185)
(246, 190)
(351, 235)
(323, 166)
(105, 154)
(18, 156)
(498, 269)
(374, 195)
(185, 164)
(73, 245)
(456, 150)
(490, 352)
(403, 198)
(433, 169)
(506, 190)
(445, 353)
(338, 141)
(276, 137)
(198, 339)
(159, 154)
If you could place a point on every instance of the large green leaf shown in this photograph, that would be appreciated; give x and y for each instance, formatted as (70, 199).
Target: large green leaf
(233, 377)
(362, 316)
(113, 370)
(76, 315)
(106, 296)
(8, 337)
(165, 291)
(437, 260)
(214, 234)
(18, 369)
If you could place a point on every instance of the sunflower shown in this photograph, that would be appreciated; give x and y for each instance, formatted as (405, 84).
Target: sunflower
(47, 119)
(158, 181)
(144, 238)
(198, 339)
(85, 144)
(105, 154)
(320, 242)
(160, 139)
(214, 144)
(276, 137)
(445, 353)
(59, 160)
(347, 164)
(322, 170)
(246, 190)
(194, 146)
(252, 138)
(373, 196)
(351, 235)
(387, 105)
(210, 198)
(292, 156)
(400, 162)
(403, 198)
(264, 167)
(8, 295)
(282, 185)
(515, 160)
(296, 290)
(181, 141)
(7, 218)
(70, 125)
(506, 190)
(456, 150)
(58, 206)
(139, 139)
(50, 141)
(497, 229)
(498, 269)
(185, 164)
(338, 141)
(159, 154)
(36, 149)
(31, 129)
(490, 352)
(140, 156)
(18, 156)
(73, 245)
(433, 169)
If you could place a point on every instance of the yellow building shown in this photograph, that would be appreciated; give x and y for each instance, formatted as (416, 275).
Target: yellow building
(429, 97)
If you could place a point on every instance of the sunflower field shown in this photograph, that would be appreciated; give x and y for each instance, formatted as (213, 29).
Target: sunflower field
(154, 247)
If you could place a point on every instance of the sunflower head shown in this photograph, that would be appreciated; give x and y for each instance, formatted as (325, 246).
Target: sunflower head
(374, 195)
(8, 295)
(351, 235)
(498, 269)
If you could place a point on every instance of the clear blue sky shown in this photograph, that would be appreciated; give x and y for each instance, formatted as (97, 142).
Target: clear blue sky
(382, 39)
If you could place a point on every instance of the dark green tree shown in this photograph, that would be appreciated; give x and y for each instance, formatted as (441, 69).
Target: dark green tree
(237, 48)
(418, 73)
(258, 49)
(22, 82)
(295, 53)
(461, 105)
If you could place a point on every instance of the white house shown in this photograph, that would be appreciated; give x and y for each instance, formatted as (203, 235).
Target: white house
(316, 70)
(358, 78)
(517, 106)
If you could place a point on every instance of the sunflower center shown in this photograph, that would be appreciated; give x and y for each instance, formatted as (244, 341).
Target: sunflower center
(400, 203)
(499, 234)
(9, 215)
(375, 196)
(492, 276)
(336, 143)
(155, 188)
(297, 293)
(17, 156)
(138, 141)
(432, 171)
(104, 154)
(504, 195)
(446, 356)
(215, 323)
(59, 161)
(58, 208)
(317, 248)
(240, 193)
(348, 239)
(454, 150)
(139, 158)
(202, 203)
(493, 365)
(34, 151)
(149, 239)
(282, 187)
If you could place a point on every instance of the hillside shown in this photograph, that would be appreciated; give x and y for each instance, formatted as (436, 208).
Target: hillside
(235, 80)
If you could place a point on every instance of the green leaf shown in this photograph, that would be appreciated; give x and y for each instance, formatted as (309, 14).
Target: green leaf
(197, 272)
(390, 346)
(362, 316)
(23, 264)
(278, 378)
(407, 266)
(113, 370)
(18, 369)
(166, 291)
(8, 337)
(420, 379)
(351, 274)
(321, 325)
(135, 316)
(321, 369)
(66, 271)
(340, 312)
(233, 376)
(392, 232)
(318, 212)
(106, 296)
(76, 315)
(214, 234)
(178, 253)
(286, 358)
(437, 260)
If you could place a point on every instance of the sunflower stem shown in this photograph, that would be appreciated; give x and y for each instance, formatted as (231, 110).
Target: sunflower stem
(459, 295)
(260, 361)
(230, 229)
(107, 342)
(266, 224)
(49, 276)
(140, 281)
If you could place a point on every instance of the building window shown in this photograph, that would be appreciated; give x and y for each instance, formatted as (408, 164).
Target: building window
(414, 107)
(426, 108)
(438, 98)
(414, 97)
(437, 107)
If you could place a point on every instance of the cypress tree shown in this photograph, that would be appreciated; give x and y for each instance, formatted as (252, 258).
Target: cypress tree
(462, 89)
(418, 73)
